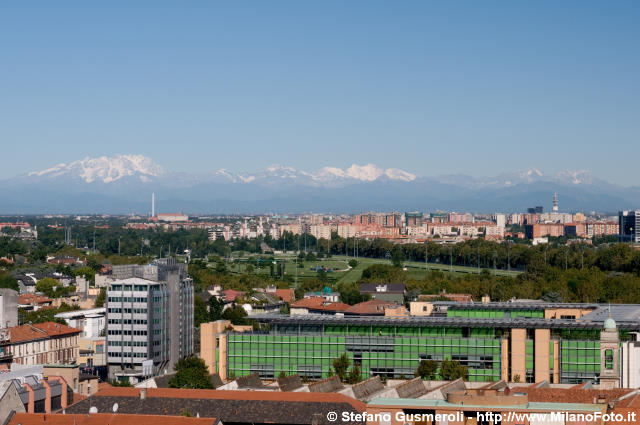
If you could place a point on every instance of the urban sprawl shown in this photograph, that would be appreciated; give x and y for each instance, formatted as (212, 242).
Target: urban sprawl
(283, 319)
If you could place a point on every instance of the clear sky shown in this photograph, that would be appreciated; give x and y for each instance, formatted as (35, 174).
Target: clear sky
(476, 87)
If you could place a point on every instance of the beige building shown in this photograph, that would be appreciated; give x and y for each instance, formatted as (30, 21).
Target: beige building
(44, 343)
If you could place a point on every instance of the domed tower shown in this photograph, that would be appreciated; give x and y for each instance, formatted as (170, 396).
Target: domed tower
(609, 354)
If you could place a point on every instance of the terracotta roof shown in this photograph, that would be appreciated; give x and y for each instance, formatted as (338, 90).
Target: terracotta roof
(231, 295)
(369, 308)
(335, 307)
(26, 333)
(33, 299)
(311, 302)
(104, 419)
(627, 418)
(287, 295)
(56, 329)
(572, 395)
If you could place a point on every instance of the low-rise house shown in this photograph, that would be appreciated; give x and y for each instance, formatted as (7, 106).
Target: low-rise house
(393, 292)
(33, 302)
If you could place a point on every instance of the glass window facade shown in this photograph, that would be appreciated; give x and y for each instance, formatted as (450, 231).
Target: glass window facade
(579, 361)
(375, 349)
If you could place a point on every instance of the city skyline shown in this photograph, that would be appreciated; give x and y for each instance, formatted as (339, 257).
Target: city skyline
(429, 88)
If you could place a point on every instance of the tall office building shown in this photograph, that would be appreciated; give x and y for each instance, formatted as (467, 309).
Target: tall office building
(629, 226)
(149, 318)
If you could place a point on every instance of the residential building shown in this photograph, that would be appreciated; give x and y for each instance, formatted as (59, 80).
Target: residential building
(149, 317)
(172, 217)
(602, 228)
(629, 226)
(33, 391)
(92, 322)
(8, 308)
(538, 230)
(384, 291)
(321, 231)
(413, 219)
(48, 342)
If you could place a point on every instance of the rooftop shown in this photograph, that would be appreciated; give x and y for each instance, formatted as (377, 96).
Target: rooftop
(507, 323)
(104, 419)
(230, 406)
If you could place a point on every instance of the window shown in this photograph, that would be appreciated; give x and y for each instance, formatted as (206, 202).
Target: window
(608, 359)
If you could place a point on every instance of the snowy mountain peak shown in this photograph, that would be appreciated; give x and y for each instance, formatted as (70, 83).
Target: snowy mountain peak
(105, 169)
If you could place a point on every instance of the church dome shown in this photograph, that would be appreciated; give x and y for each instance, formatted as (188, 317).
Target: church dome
(609, 324)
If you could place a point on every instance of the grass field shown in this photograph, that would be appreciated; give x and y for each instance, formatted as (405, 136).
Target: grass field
(341, 272)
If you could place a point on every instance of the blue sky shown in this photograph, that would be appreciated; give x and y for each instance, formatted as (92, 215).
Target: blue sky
(429, 87)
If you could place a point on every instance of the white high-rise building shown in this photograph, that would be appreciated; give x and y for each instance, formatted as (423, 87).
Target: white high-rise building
(149, 317)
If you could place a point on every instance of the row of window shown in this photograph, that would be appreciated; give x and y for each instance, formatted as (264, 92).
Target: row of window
(127, 310)
(126, 332)
(120, 287)
(127, 354)
(127, 343)
(127, 321)
(127, 299)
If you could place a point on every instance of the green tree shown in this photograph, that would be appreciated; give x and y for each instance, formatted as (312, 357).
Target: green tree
(350, 293)
(355, 375)
(48, 286)
(397, 257)
(341, 365)
(8, 281)
(451, 370)
(236, 315)
(353, 263)
(101, 298)
(191, 372)
(200, 313)
(322, 274)
(427, 369)
(215, 309)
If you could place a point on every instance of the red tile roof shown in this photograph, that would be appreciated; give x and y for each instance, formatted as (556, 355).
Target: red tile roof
(286, 295)
(370, 308)
(335, 307)
(311, 302)
(573, 394)
(232, 395)
(33, 299)
(39, 331)
(24, 333)
(104, 419)
(57, 329)
(231, 295)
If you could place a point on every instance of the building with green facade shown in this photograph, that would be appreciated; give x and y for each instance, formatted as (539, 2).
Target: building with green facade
(526, 342)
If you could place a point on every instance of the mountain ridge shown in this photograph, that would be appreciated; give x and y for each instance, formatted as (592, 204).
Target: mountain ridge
(123, 184)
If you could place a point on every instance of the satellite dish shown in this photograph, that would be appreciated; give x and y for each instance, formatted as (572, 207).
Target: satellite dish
(93, 409)
(115, 407)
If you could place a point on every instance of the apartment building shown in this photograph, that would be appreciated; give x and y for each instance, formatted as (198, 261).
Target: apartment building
(43, 343)
(149, 318)
(629, 226)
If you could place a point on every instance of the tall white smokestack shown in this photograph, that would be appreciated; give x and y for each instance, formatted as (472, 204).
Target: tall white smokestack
(153, 204)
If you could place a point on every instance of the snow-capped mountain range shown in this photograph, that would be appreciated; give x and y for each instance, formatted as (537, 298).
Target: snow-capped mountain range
(108, 170)
(123, 183)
